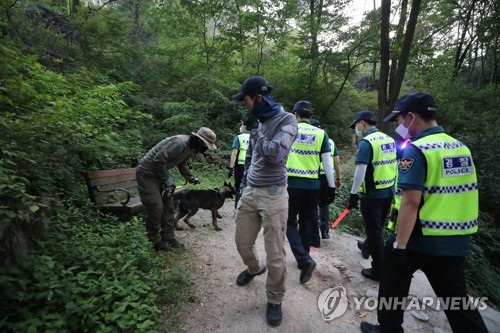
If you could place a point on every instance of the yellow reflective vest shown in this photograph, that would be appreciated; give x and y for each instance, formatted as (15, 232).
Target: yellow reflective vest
(450, 196)
(243, 142)
(304, 158)
(383, 162)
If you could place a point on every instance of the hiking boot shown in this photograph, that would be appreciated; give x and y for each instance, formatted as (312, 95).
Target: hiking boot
(306, 271)
(274, 314)
(244, 277)
(174, 243)
(369, 273)
(365, 252)
(161, 246)
(325, 235)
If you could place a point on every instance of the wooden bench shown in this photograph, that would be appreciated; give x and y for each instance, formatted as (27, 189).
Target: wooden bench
(115, 191)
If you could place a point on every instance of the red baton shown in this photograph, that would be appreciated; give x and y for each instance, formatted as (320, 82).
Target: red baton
(340, 218)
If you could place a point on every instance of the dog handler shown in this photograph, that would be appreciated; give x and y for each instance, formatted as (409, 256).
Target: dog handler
(153, 172)
(264, 197)
(437, 216)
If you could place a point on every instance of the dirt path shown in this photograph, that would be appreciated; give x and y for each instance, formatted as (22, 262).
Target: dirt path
(223, 306)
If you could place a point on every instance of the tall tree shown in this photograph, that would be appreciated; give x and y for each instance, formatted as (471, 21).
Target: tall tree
(390, 85)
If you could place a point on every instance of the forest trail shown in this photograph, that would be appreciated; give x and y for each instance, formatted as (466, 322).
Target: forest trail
(220, 305)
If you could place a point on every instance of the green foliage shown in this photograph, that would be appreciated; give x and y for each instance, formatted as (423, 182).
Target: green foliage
(87, 276)
(484, 263)
(54, 126)
(353, 222)
(97, 85)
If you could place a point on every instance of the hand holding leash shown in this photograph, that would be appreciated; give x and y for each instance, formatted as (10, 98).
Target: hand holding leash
(167, 188)
(194, 181)
(230, 172)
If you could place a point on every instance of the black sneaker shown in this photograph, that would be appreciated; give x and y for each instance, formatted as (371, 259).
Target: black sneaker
(175, 243)
(274, 314)
(244, 277)
(368, 273)
(365, 252)
(161, 246)
(306, 271)
(325, 235)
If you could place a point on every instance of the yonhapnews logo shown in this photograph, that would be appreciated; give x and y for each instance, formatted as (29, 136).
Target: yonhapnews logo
(332, 303)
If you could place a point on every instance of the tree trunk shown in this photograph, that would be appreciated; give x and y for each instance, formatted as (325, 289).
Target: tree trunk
(384, 58)
(374, 64)
(387, 99)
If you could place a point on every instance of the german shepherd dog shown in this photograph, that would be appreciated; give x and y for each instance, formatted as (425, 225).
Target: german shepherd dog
(192, 200)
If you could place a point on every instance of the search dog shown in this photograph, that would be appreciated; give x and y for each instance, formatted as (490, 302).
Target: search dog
(190, 201)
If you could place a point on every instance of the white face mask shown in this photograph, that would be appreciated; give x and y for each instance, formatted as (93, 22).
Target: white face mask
(359, 133)
(243, 129)
(404, 131)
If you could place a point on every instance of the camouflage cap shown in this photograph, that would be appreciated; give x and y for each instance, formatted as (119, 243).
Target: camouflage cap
(208, 136)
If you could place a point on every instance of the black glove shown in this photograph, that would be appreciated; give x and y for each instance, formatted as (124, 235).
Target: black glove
(400, 259)
(194, 181)
(353, 201)
(230, 172)
(331, 195)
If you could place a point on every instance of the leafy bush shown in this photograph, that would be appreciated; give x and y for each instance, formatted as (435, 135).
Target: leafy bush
(484, 263)
(87, 277)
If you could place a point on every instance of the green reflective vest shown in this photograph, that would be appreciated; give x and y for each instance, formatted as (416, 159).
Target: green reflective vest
(243, 141)
(450, 196)
(304, 158)
(383, 162)
(332, 145)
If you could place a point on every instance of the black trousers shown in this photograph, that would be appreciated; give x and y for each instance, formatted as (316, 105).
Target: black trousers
(323, 211)
(446, 276)
(239, 169)
(374, 213)
(301, 202)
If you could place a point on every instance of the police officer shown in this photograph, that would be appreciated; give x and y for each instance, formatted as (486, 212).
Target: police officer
(374, 178)
(324, 192)
(438, 214)
(238, 155)
(153, 173)
(309, 149)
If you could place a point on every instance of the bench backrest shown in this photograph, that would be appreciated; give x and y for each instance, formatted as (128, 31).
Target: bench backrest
(109, 180)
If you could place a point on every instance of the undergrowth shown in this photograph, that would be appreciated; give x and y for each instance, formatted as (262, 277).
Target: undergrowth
(92, 274)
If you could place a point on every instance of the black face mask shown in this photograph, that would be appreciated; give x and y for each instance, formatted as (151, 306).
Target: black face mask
(196, 144)
(258, 106)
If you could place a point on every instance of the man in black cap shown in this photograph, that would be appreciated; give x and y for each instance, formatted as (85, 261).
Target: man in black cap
(153, 173)
(374, 178)
(264, 198)
(310, 149)
(437, 216)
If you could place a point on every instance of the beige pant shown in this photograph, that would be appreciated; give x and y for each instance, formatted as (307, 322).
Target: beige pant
(267, 208)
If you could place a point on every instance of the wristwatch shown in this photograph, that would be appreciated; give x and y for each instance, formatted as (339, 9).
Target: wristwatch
(397, 246)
